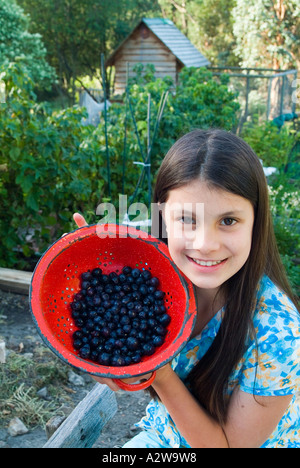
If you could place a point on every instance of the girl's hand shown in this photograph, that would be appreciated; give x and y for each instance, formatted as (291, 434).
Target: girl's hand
(114, 386)
(161, 374)
(79, 220)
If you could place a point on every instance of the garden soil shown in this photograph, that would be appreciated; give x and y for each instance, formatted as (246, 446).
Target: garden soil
(20, 335)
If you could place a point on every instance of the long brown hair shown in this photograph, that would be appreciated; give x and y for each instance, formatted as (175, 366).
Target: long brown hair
(225, 161)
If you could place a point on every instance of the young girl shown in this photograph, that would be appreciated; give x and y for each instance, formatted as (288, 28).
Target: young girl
(235, 383)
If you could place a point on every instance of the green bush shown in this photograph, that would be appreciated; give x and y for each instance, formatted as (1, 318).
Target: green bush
(272, 146)
(285, 204)
(46, 170)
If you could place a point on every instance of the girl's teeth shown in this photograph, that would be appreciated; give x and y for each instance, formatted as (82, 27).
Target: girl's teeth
(201, 262)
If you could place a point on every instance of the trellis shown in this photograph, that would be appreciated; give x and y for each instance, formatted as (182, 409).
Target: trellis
(275, 89)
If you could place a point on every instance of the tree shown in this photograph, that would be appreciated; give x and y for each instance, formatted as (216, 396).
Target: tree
(17, 44)
(77, 32)
(208, 25)
(267, 33)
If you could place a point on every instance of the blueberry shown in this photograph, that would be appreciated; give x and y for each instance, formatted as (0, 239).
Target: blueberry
(94, 282)
(119, 344)
(109, 345)
(92, 314)
(160, 330)
(99, 289)
(126, 270)
(78, 296)
(143, 325)
(118, 361)
(104, 359)
(76, 305)
(135, 273)
(141, 336)
(154, 281)
(127, 360)
(105, 279)
(90, 291)
(125, 320)
(159, 309)
(97, 272)
(79, 322)
(127, 328)
(152, 323)
(84, 352)
(112, 326)
(135, 324)
(122, 278)
(143, 289)
(97, 300)
(157, 340)
(95, 342)
(94, 355)
(159, 294)
(148, 349)
(86, 276)
(89, 324)
(109, 289)
(164, 319)
(146, 275)
(126, 287)
(136, 357)
(75, 314)
(77, 335)
(132, 343)
(114, 278)
(105, 332)
(77, 343)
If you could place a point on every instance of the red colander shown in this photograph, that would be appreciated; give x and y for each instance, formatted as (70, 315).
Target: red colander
(110, 247)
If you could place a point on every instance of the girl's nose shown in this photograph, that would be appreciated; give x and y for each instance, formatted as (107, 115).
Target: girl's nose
(206, 240)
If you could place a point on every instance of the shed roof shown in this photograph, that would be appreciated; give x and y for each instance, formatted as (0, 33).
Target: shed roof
(180, 46)
(177, 42)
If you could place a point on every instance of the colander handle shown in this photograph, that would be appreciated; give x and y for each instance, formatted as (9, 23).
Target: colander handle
(135, 387)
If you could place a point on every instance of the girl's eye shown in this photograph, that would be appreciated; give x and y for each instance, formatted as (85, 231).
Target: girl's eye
(187, 220)
(228, 221)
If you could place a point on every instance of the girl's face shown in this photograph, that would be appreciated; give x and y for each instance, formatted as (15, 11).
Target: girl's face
(209, 232)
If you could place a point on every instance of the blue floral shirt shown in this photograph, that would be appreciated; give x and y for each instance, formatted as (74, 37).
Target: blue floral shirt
(277, 372)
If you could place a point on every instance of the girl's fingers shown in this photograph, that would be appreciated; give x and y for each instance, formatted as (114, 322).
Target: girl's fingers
(79, 220)
(109, 382)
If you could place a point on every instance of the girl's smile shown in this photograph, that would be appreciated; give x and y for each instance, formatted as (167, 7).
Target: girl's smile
(207, 265)
(209, 232)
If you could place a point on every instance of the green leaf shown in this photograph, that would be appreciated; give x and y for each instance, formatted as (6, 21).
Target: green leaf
(14, 153)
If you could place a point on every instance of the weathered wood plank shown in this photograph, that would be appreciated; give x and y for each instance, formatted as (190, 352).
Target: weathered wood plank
(15, 280)
(84, 425)
(159, 65)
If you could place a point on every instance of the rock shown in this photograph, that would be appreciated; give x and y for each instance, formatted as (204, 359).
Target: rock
(76, 379)
(16, 427)
(65, 409)
(53, 424)
(2, 352)
(43, 393)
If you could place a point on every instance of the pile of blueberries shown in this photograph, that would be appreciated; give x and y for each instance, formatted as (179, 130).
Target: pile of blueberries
(120, 317)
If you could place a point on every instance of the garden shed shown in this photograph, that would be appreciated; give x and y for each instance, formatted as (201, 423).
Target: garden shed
(154, 41)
